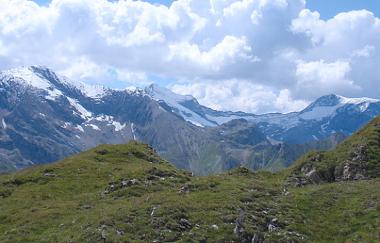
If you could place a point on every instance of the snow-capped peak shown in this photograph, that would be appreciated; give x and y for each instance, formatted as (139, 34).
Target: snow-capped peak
(27, 76)
(357, 101)
(176, 103)
(338, 100)
(327, 100)
(92, 91)
(160, 93)
(41, 77)
(328, 105)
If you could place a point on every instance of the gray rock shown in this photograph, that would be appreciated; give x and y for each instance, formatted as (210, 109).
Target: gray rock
(239, 224)
(47, 174)
(215, 227)
(257, 238)
(184, 224)
(184, 190)
(127, 183)
(273, 225)
(120, 232)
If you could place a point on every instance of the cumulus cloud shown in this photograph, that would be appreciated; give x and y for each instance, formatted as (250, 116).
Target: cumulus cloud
(250, 55)
(240, 95)
(229, 51)
(324, 77)
(343, 54)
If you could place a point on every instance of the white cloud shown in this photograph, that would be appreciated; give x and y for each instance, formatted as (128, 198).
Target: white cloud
(229, 51)
(88, 71)
(275, 51)
(324, 77)
(240, 95)
(349, 47)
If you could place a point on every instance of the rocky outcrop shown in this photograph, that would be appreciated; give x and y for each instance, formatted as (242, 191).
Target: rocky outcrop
(355, 168)
(315, 170)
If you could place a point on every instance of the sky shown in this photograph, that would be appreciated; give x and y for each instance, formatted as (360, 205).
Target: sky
(250, 55)
(327, 8)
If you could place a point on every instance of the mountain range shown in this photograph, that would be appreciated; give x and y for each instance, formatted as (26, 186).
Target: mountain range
(46, 117)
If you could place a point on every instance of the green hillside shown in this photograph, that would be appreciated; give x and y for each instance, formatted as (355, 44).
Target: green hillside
(126, 193)
(356, 158)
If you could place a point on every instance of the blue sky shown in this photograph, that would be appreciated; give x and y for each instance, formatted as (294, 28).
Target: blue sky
(166, 2)
(327, 8)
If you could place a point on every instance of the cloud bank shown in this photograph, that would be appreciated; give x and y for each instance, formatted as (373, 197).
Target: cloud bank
(251, 55)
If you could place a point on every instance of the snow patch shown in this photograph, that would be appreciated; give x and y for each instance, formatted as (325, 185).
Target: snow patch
(357, 101)
(111, 122)
(80, 128)
(224, 119)
(3, 123)
(66, 125)
(364, 107)
(133, 131)
(105, 118)
(95, 127)
(318, 113)
(53, 94)
(118, 126)
(79, 108)
(196, 123)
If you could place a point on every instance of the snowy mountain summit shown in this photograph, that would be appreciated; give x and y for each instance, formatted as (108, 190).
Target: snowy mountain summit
(41, 77)
(330, 105)
(189, 108)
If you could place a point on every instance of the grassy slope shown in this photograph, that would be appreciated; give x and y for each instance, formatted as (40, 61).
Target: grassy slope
(368, 137)
(339, 212)
(65, 202)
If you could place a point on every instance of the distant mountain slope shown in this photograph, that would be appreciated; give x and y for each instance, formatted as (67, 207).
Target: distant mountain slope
(357, 158)
(45, 117)
(127, 193)
(188, 107)
(327, 115)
